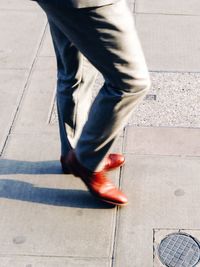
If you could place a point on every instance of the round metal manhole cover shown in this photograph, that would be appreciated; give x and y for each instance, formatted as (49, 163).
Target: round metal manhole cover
(179, 250)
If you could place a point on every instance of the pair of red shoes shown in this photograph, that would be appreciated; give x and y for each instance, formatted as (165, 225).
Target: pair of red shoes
(97, 182)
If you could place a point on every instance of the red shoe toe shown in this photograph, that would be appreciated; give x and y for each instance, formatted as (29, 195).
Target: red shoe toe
(114, 161)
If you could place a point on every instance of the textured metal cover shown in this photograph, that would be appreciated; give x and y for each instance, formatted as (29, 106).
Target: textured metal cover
(179, 250)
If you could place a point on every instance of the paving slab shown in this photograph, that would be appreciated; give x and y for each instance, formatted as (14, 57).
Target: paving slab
(163, 193)
(173, 101)
(170, 42)
(64, 224)
(180, 7)
(46, 213)
(19, 5)
(16, 50)
(17, 261)
(12, 83)
(37, 103)
(162, 141)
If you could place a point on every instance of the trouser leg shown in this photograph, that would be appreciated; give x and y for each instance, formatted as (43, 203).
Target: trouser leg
(75, 79)
(107, 37)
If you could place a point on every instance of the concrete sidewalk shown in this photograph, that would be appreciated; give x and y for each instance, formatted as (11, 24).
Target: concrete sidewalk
(49, 219)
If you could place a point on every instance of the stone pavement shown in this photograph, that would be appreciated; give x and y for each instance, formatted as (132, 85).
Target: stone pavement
(49, 219)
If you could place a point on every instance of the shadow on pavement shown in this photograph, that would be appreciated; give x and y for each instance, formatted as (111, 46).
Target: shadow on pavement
(24, 191)
(18, 190)
(9, 166)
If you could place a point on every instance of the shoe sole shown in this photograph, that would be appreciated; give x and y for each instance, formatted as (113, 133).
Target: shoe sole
(104, 200)
(113, 203)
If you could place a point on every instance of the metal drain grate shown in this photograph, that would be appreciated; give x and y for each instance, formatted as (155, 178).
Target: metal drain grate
(179, 250)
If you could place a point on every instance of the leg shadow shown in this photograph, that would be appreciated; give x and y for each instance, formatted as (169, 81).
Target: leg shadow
(9, 166)
(24, 191)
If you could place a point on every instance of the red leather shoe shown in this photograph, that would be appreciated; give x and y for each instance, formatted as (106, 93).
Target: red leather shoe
(97, 182)
(112, 161)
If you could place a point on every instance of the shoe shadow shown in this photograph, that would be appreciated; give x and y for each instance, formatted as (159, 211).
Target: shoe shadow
(24, 191)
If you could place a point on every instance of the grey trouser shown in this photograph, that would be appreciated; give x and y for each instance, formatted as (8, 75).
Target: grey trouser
(104, 38)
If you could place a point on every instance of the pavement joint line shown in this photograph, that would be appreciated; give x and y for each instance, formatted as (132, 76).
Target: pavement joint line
(50, 113)
(131, 125)
(154, 249)
(54, 256)
(115, 231)
(34, 133)
(21, 96)
(117, 211)
(46, 56)
(167, 14)
(113, 234)
(11, 69)
(175, 229)
(134, 7)
(124, 139)
(124, 136)
(162, 156)
(174, 71)
(42, 41)
(36, 10)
